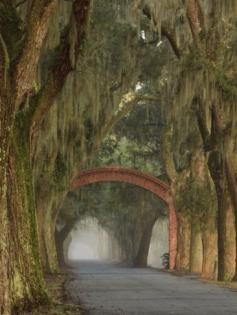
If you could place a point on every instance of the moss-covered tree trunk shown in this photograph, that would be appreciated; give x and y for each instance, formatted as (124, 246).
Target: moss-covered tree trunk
(48, 249)
(48, 254)
(143, 250)
(209, 241)
(46, 229)
(203, 214)
(226, 236)
(231, 169)
(196, 248)
(5, 296)
(225, 217)
(60, 237)
(183, 242)
(21, 281)
(24, 284)
(219, 146)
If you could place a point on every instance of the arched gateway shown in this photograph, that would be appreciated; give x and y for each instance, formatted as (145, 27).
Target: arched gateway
(150, 183)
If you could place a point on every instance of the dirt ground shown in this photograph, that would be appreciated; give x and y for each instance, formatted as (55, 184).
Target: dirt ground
(60, 303)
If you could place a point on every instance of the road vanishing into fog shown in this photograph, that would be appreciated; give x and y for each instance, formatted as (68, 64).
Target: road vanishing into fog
(109, 289)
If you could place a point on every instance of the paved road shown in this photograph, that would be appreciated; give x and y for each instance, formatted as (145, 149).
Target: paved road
(106, 289)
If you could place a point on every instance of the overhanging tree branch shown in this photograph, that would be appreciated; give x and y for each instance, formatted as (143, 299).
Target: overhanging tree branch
(20, 3)
(126, 109)
(196, 20)
(202, 123)
(26, 68)
(168, 35)
(164, 31)
(64, 64)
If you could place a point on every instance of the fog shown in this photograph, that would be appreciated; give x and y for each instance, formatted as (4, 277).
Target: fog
(89, 241)
(159, 243)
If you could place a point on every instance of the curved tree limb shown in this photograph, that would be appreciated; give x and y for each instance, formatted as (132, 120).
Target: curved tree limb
(26, 68)
(164, 32)
(64, 64)
(196, 19)
(168, 35)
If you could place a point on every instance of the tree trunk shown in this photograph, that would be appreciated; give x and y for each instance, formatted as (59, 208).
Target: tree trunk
(66, 246)
(209, 241)
(6, 123)
(49, 247)
(225, 218)
(46, 228)
(59, 248)
(219, 144)
(60, 237)
(5, 294)
(230, 167)
(226, 237)
(24, 285)
(142, 255)
(183, 249)
(196, 253)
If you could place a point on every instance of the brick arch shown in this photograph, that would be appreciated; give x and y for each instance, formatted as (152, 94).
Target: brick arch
(150, 183)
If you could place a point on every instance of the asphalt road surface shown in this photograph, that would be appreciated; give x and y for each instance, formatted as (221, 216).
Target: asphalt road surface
(109, 289)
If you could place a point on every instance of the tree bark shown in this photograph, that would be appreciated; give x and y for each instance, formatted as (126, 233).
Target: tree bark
(232, 185)
(209, 240)
(225, 218)
(196, 253)
(60, 237)
(5, 296)
(48, 252)
(27, 66)
(142, 255)
(24, 285)
(183, 249)
(6, 120)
